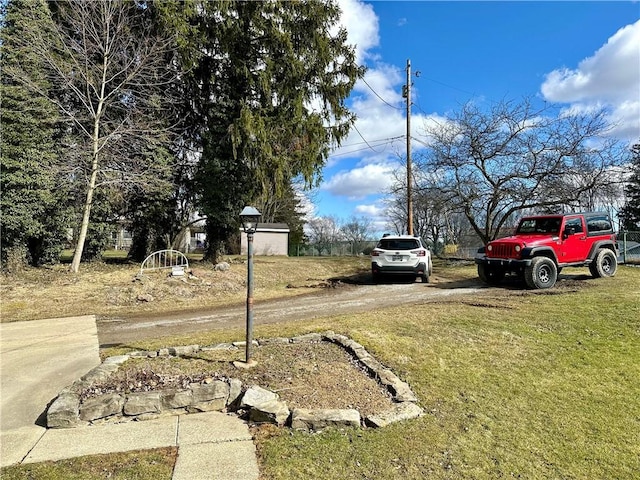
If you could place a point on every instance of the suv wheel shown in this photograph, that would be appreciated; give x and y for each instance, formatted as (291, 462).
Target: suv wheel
(490, 275)
(542, 273)
(605, 264)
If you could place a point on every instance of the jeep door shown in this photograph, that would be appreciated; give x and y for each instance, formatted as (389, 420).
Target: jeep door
(574, 246)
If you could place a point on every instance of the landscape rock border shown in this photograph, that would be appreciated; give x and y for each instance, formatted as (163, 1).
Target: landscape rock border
(252, 402)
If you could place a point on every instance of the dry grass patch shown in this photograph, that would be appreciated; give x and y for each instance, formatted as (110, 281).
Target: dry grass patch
(111, 290)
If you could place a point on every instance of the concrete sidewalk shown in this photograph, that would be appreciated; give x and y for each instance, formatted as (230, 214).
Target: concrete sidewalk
(211, 446)
(39, 358)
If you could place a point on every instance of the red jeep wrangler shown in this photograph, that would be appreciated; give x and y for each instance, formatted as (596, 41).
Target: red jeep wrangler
(543, 244)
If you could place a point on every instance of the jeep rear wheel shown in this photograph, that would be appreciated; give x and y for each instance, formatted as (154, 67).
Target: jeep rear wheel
(605, 264)
(542, 273)
(490, 275)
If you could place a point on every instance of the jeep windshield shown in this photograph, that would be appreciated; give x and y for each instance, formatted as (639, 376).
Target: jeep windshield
(541, 226)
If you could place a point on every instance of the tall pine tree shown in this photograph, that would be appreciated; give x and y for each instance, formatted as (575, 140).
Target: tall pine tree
(630, 214)
(34, 216)
(266, 84)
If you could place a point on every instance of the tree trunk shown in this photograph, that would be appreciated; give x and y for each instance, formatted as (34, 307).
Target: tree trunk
(77, 256)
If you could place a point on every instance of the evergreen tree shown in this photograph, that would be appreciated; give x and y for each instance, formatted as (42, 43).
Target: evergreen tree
(34, 215)
(253, 72)
(630, 214)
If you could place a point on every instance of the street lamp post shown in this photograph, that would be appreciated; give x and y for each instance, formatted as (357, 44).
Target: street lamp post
(250, 217)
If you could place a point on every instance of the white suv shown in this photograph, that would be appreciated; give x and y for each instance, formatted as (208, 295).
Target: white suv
(401, 254)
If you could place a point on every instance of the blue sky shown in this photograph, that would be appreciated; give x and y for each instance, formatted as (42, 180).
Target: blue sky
(575, 54)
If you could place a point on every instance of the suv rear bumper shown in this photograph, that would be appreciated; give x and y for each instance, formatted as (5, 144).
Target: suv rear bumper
(419, 269)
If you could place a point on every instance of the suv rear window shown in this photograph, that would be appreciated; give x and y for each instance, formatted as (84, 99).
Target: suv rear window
(398, 244)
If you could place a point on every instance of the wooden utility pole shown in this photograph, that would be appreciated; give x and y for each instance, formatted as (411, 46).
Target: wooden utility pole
(409, 175)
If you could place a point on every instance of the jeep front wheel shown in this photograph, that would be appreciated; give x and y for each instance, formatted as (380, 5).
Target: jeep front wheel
(542, 273)
(490, 275)
(605, 264)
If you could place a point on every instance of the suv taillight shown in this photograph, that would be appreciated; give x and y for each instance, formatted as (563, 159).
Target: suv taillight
(375, 253)
(420, 253)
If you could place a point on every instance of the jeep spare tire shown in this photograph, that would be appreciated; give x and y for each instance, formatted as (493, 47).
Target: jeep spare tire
(605, 264)
(542, 273)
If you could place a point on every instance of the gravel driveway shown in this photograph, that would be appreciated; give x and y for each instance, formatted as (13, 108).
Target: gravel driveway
(343, 299)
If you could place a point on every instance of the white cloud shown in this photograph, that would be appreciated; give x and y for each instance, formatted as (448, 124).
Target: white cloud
(361, 23)
(370, 210)
(377, 214)
(306, 206)
(372, 179)
(377, 99)
(610, 78)
(376, 145)
(381, 119)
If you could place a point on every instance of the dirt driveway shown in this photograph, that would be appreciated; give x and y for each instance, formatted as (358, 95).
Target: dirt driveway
(341, 298)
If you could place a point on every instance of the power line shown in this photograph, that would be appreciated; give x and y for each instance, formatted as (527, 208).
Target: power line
(382, 99)
(350, 152)
(473, 94)
(373, 141)
(365, 140)
(420, 141)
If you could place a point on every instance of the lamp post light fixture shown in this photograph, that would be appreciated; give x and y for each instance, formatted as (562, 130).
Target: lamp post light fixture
(250, 217)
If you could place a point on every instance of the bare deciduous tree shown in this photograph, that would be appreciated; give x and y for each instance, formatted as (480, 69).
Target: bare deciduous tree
(322, 232)
(112, 73)
(357, 231)
(492, 165)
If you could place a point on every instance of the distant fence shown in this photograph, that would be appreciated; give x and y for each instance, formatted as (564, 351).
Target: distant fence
(334, 249)
(629, 247)
(345, 249)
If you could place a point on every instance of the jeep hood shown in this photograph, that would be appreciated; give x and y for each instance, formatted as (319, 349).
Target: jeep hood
(528, 240)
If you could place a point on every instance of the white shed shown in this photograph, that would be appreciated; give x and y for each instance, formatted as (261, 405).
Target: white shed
(269, 239)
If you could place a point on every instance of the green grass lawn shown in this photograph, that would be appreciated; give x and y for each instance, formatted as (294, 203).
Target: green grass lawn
(136, 465)
(526, 385)
(514, 383)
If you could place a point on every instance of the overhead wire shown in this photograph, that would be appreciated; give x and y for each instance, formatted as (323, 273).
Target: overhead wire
(385, 142)
(356, 128)
(365, 140)
(381, 99)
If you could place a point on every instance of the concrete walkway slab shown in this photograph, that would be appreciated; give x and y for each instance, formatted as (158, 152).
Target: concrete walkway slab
(16, 443)
(57, 444)
(211, 427)
(220, 461)
(211, 446)
(38, 359)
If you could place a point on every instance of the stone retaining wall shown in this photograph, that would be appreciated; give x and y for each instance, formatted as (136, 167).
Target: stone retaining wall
(255, 403)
